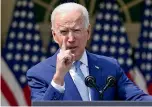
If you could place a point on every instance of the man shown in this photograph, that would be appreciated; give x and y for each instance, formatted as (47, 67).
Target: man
(61, 78)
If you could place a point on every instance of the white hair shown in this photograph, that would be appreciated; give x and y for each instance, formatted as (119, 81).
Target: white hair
(68, 7)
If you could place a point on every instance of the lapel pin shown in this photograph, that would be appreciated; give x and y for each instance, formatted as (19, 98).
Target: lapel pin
(96, 67)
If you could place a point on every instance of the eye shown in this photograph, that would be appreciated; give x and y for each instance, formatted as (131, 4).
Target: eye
(63, 32)
(77, 30)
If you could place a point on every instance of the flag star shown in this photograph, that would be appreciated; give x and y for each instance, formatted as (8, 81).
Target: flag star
(105, 38)
(14, 24)
(129, 51)
(27, 47)
(28, 36)
(121, 50)
(53, 49)
(29, 26)
(115, 7)
(16, 67)
(30, 15)
(17, 13)
(112, 49)
(106, 27)
(145, 34)
(43, 58)
(20, 35)
(146, 23)
(34, 58)
(150, 35)
(122, 29)
(103, 48)
(19, 46)
(143, 66)
(95, 48)
(147, 12)
(23, 14)
(24, 68)
(109, 6)
(24, 3)
(18, 57)
(149, 56)
(19, 3)
(98, 27)
(96, 37)
(148, 77)
(114, 39)
(22, 79)
(36, 37)
(35, 48)
(10, 45)
(129, 62)
(148, 2)
(120, 60)
(12, 35)
(31, 4)
(107, 16)
(37, 27)
(115, 18)
(150, 45)
(101, 6)
(21, 24)
(122, 40)
(148, 66)
(26, 57)
(114, 28)
(9, 56)
(99, 16)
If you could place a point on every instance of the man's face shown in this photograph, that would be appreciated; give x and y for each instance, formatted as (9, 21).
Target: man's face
(70, 27)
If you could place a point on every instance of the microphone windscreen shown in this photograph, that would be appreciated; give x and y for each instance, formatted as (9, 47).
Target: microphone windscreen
(111, 81)
(90, 81)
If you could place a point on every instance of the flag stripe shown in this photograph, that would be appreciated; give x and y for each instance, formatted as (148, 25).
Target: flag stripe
(150, 88)
(12, 83)
(4, 101)
(8, 93)
(26, 91)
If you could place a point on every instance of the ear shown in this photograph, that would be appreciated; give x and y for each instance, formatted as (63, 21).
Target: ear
(89, 31)
(54, 36)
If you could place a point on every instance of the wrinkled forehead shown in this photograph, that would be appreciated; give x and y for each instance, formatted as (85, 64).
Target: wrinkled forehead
(69, 19)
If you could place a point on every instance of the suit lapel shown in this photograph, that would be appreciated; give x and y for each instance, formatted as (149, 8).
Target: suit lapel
(95, 70)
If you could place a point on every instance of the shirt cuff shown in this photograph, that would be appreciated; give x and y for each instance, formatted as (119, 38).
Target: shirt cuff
(58, 87)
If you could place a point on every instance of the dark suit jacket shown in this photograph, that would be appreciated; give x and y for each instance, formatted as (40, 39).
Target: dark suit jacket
(40, 77)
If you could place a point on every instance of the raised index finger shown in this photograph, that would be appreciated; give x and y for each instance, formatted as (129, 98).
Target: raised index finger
(63, 47)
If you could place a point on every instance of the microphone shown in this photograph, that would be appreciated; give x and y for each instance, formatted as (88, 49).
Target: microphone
(90, 81)
(110, 83)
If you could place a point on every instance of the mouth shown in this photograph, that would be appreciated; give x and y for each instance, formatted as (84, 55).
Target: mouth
(72, 48)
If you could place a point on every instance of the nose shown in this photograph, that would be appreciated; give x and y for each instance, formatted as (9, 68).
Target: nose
(71, 37)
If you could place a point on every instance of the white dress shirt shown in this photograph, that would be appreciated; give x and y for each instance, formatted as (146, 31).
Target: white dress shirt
(85, 71)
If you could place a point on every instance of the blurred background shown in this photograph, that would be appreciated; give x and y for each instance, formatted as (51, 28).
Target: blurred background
(120, 28)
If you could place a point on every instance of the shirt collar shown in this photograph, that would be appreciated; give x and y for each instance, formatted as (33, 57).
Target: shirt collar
(84, 58)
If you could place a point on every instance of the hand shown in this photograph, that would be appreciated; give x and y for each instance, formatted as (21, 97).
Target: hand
(63, 64)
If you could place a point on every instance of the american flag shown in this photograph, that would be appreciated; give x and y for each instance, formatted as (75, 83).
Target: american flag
(52, 48)
(143, 50)
(23, 49)
(109, 35)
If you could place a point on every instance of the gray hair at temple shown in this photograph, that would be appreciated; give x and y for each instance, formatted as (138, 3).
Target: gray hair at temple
(68, 7)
